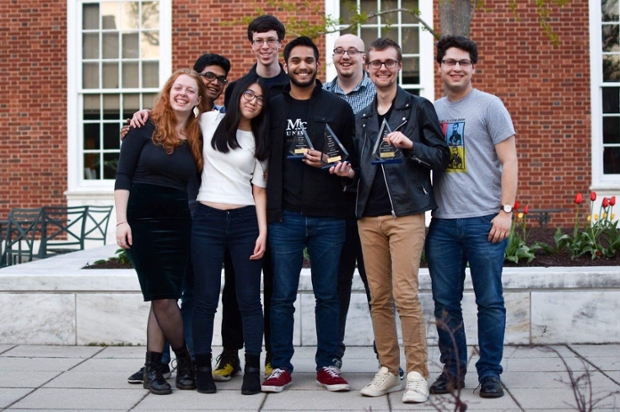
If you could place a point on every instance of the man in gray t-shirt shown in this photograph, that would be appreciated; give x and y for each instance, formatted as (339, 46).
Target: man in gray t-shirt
(472, 222)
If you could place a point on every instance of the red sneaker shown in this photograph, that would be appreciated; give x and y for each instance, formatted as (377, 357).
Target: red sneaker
(329, 378)
(277, 381)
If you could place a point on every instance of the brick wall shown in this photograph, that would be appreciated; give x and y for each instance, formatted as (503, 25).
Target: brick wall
(33, 90)
(546, 89)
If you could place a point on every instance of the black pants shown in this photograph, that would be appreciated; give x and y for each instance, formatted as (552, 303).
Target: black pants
(232, 334)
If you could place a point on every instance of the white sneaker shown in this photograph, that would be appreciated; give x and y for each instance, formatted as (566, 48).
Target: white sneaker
(383, 382)
(417, 388)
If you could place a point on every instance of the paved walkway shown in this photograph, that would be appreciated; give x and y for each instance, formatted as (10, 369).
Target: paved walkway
(89, 378)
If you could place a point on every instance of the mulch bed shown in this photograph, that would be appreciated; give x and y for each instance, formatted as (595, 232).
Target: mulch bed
(533, 234)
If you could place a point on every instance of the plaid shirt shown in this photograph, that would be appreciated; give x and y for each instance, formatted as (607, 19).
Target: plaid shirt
(360, 97)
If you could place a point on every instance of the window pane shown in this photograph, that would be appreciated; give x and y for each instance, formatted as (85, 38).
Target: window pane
(90, 75)
(415, 92)
(391, 17)
(150, 45)
(611, 160)
(411, 70)
(150, 15)
(111, 107)
(131, 15)
(110, 75)
(611, 100)
(150, 74)
(90, 16)
(112, 136)
(130, 46)
(611, 130)
(368, 6)
(611, 68)
(131, 104)
(91, 107)
(610, 38)
(609, 10)
(91, 166)
(410, 42)
(110, 164)
(148, 100)
(407, 18)
(368, 35)
(109, 12)
(110, 45)
(347, 10)
(130, 75)
(91, 136)
(391, 32)
(90, 46)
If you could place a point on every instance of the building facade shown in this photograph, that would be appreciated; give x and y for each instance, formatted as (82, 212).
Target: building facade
(72, 71)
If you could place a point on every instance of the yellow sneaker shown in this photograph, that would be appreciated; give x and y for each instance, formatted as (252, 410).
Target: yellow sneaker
(227, 366)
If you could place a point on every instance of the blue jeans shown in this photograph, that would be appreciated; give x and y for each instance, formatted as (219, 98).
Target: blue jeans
(323, 236)
(213, 231)
(450, 244)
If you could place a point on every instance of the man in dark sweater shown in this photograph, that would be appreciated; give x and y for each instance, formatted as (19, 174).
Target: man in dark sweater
(306, 207)
(265, 34)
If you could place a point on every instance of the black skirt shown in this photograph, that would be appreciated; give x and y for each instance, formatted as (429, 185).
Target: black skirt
(161, 228)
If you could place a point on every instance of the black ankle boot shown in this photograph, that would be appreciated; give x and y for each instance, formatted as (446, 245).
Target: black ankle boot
(185, 379)
(251, 375)
(204, 378)
(153, 378)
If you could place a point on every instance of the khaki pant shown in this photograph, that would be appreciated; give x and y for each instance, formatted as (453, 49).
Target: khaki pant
(392, 250)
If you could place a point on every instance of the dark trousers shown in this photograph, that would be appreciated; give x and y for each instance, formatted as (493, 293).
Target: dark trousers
(232, 335)
(351, 253)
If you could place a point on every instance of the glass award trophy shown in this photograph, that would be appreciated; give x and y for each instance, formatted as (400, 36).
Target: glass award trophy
(333, 151)
(301, 144)
(383, 152)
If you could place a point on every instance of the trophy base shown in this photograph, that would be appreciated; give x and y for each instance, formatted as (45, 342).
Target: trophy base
(299, 157)
(386, 162)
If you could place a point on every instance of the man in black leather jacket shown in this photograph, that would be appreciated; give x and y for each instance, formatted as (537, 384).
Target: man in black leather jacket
(394, 192)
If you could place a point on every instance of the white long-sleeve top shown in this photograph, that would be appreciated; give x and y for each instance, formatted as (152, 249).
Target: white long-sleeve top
(228, 177)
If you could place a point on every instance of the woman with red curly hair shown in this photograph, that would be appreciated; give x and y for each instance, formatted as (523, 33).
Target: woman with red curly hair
(154, 224)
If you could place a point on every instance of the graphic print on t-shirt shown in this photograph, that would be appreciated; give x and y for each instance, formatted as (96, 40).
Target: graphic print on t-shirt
(453, 130)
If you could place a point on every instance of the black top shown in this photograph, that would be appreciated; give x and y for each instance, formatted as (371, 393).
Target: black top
(322, 193)
(294, 168)
(142, 162)
(275, 84)
(379, 201)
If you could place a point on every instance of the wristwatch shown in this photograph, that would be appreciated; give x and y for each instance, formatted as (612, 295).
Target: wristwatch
(507, 208)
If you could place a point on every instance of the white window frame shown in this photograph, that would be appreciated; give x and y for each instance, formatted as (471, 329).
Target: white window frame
(80, 190)
(427, 52)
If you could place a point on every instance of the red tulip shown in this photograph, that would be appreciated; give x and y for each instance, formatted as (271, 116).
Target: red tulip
(578, 199)
(605, 202)
(526, 209)
(593, 196)
(516, 206)
(612, 201)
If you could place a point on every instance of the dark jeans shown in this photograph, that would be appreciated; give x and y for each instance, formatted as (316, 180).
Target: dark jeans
(351, 252)
(323, 236)
(213, 231)
(450, 244)
(232, 335)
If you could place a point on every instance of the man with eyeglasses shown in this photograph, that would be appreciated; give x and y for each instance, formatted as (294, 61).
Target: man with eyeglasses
(472, 223)
(353, 85)
(265, 34)
(305, 208)
(213, 70)
(392, 199)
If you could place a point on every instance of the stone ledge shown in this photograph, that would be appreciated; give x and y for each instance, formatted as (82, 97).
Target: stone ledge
(54, 301)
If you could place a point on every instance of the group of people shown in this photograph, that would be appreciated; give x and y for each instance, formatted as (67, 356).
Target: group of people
(199, 186)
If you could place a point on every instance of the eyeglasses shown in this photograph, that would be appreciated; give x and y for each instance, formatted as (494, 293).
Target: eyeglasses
(389, 64)
(452, 62)
(351, 52)
(250, 95)
(271, 42)
(212, 76)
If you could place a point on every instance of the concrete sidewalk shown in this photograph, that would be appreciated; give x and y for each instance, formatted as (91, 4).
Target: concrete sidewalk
(88, 378)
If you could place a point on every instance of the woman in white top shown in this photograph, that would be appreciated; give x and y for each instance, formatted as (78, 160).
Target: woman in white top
(232, 214)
